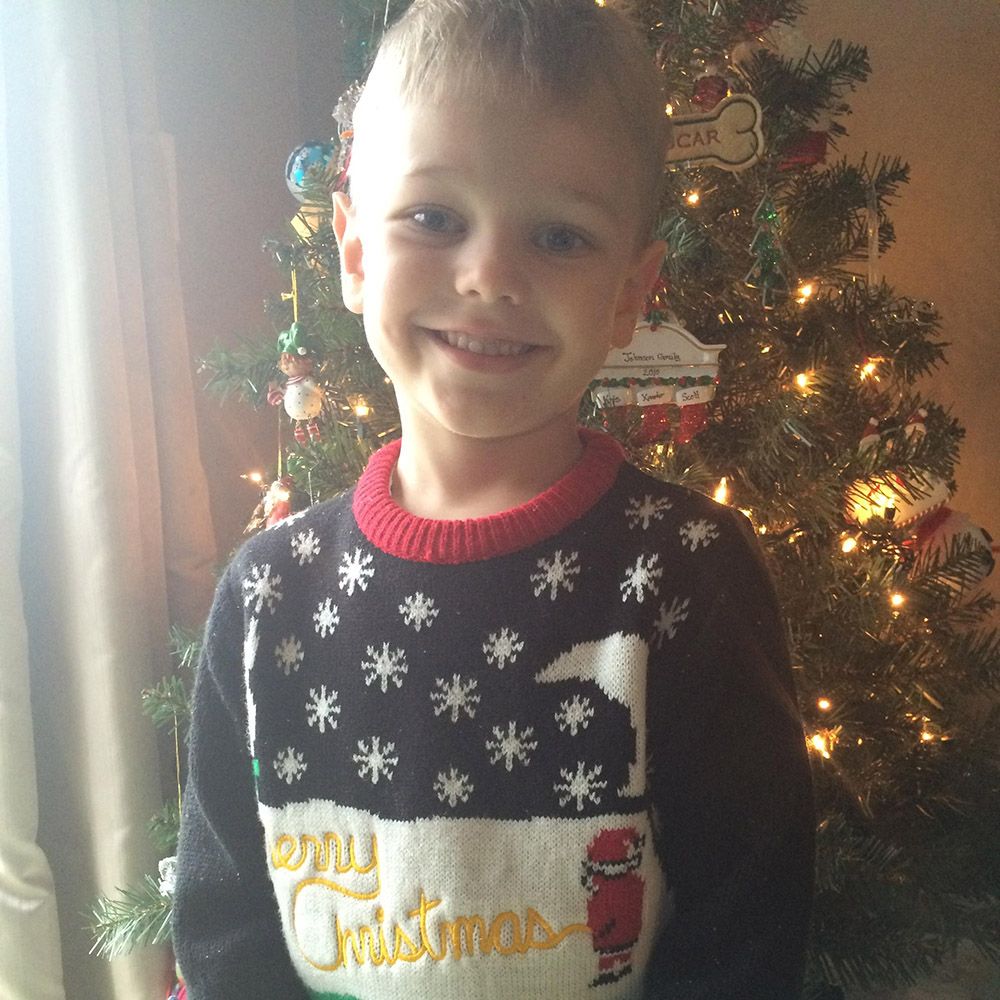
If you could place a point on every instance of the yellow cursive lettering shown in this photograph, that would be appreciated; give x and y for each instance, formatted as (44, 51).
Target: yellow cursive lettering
(291, 853)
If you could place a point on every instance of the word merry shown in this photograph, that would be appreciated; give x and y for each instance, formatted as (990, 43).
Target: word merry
(292, 853)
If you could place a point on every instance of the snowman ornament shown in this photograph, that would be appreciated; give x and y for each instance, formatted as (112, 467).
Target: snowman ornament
(301, 394)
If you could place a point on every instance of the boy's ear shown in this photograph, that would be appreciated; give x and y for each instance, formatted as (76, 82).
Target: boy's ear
(352, 275)
(639, 284)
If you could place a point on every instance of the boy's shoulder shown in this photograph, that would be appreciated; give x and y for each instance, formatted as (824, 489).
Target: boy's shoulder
(698, 530)
(642, 492)
(296, 537)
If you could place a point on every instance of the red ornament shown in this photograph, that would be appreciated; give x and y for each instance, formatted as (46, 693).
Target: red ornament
(694, 419)
(709, 90)
(941, 529)
(655, 423)
(757, 21)
(278, 501)
(805, 151)
(870, 436)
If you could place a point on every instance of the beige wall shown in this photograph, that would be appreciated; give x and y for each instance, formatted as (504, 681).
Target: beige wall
(241, 83)
(932, 101)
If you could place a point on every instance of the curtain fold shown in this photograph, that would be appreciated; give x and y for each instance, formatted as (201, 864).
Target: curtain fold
(107, 536)
(30, 957)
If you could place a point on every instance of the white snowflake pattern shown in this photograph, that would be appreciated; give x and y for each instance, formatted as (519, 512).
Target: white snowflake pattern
(582, 785)
(375, 759)
(289, 654)
(326, 617)
(321, 708)
(646, 510)
(696, 533)
(502, 648)
(641, 577)
(453, 786)
(305, 546)
(574, 715)
(290, 765)
(456, 695)
(261, 588)
(512, 745)
(386, 665)
(556, 573)
(418, 611)
(356, 571)
(291, 519)
(670, 618)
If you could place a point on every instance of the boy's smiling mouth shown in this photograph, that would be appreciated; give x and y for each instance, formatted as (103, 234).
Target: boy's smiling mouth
(476, 344)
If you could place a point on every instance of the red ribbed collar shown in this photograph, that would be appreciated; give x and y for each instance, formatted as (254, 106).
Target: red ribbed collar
(402, 534)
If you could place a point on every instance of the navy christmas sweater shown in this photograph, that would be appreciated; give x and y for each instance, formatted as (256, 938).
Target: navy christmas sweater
(552, 753)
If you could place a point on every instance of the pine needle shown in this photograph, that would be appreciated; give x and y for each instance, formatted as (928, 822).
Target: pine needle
(138, 918)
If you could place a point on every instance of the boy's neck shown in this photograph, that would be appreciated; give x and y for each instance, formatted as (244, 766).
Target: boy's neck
(446, 476)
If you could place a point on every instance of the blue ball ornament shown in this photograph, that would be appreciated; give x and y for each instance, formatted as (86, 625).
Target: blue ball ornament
(307, 162)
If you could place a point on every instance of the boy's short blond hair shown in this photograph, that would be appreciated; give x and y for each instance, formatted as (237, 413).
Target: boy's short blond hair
(560, 51)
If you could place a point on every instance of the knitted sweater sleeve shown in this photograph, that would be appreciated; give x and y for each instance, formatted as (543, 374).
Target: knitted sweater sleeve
(226, 931)
(737, 814)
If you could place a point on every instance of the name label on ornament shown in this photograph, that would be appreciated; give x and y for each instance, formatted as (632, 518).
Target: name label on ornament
(729, 136)
(695, 394)
(612, 397)
(654, 395)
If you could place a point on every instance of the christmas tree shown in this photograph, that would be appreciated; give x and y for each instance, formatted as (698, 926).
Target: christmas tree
(775, 371)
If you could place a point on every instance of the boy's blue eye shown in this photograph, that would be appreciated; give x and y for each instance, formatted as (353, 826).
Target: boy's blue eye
(436, 220)
(561, 239)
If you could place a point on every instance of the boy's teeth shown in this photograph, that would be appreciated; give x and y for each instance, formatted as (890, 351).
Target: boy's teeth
(492, 347)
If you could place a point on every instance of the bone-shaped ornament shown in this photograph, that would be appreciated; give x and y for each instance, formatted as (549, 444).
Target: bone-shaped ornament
(729, 136)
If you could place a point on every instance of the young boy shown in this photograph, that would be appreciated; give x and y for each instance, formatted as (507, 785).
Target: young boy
(510, 719)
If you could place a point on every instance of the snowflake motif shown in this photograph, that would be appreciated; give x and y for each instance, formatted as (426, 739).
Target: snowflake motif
(503, 648)
(289, 765)
(574, 715)
(457, 696)
(646, 510)
(582, 786)
(292, 518)
(326, 618)
(453, 786)
(321, 708)
(261, 588)
(375, 760)
(418, 611)
(696, 533)
(641, 577)
(670, 618)
(511, 745)
(305, 547)
(288, 654)
(386, 665)
(555, 574)
(356, 571)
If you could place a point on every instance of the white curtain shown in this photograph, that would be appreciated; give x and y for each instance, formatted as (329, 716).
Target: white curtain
(105, 536)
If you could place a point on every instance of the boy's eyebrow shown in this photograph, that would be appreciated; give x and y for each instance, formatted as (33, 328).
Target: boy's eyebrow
(566, 190)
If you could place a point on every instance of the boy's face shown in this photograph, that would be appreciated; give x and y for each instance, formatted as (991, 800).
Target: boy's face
(492, 252)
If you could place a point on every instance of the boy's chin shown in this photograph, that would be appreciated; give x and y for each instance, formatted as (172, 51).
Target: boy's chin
(558, 432)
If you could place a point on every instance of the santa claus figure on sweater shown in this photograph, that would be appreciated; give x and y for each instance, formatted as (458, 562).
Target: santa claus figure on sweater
(614, 907)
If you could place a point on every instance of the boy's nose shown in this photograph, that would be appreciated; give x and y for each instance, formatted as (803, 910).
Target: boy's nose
(489, 269)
